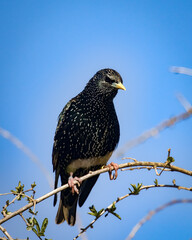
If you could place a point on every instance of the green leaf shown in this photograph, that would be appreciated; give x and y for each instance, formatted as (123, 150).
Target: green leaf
(33, 185)
(40, 234)
(19, 197)
(29, 228)
(112, 211)
(30, 222)
(136, 189)
(29, 199)
(113, 208)
(44, 225)
(19, 188)
(94, 211)
(35, 222)
(14, 192)
(6, 211)
(170, 159)
(91, 213)
(35, 231)
(174, 182)
(116, 215)
(31, 211)
(156, 182)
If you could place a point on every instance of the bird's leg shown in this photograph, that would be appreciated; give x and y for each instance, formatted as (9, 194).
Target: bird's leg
(73, 187)
(116, 167)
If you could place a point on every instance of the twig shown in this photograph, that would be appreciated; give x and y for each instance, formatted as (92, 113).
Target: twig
(167, 163)
(125, 196)
(89, 175)
(135, 160)
(9, 203)
(24, 219)
(4, 194)
(148, 168)
(152, 132)
(6, 233)
(152, 213)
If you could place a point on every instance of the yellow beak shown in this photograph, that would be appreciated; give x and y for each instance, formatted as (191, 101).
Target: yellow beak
(118, 85)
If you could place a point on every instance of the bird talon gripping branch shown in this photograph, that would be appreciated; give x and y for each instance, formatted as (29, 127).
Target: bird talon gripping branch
(72, 185)
(86, 136)
(116, 167)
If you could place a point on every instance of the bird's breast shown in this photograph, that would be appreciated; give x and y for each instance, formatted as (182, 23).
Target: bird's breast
(88, 163)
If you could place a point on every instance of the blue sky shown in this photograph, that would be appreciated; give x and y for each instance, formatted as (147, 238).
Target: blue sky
(49, 50)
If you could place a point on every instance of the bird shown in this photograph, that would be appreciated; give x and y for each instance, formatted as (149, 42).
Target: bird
(86, 135)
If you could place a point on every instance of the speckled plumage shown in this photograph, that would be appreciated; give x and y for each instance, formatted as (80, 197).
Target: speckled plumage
(85, 137)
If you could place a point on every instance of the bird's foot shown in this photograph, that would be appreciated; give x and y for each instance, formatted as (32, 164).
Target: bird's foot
(116, 167)
(72, 185)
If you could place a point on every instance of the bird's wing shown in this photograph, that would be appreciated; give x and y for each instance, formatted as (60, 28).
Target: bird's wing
(59, 131)
(57, 143)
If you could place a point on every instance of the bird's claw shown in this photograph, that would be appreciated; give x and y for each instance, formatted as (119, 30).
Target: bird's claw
(73, 186)
(116, 167)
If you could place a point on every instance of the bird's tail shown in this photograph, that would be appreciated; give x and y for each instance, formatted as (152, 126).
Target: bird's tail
(67, 213)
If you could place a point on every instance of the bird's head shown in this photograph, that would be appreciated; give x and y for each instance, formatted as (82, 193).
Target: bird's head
(106, 83)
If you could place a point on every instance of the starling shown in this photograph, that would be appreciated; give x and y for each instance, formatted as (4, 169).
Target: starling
(85, 138)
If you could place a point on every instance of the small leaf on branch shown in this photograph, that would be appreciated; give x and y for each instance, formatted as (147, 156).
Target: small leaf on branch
(34, 226)
(174, 182)
(116, 215)
(29, 199)
(29, 228)
(20, 196)
(136, 189)
(30, 221)
(5, 211)
(112, 211)
(170, 159)
(35, 231)
(156, 182)
(14, 192)
(44, 225)
(32, 212)
(33, 185)
(94, 211)
(20, 187)
(35, 222)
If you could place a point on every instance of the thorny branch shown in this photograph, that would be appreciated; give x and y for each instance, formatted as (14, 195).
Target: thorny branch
(152, 213)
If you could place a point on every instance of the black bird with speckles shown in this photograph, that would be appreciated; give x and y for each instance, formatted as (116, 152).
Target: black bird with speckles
(85, 138)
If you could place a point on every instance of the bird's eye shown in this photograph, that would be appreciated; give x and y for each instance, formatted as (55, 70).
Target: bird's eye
(109, 80)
